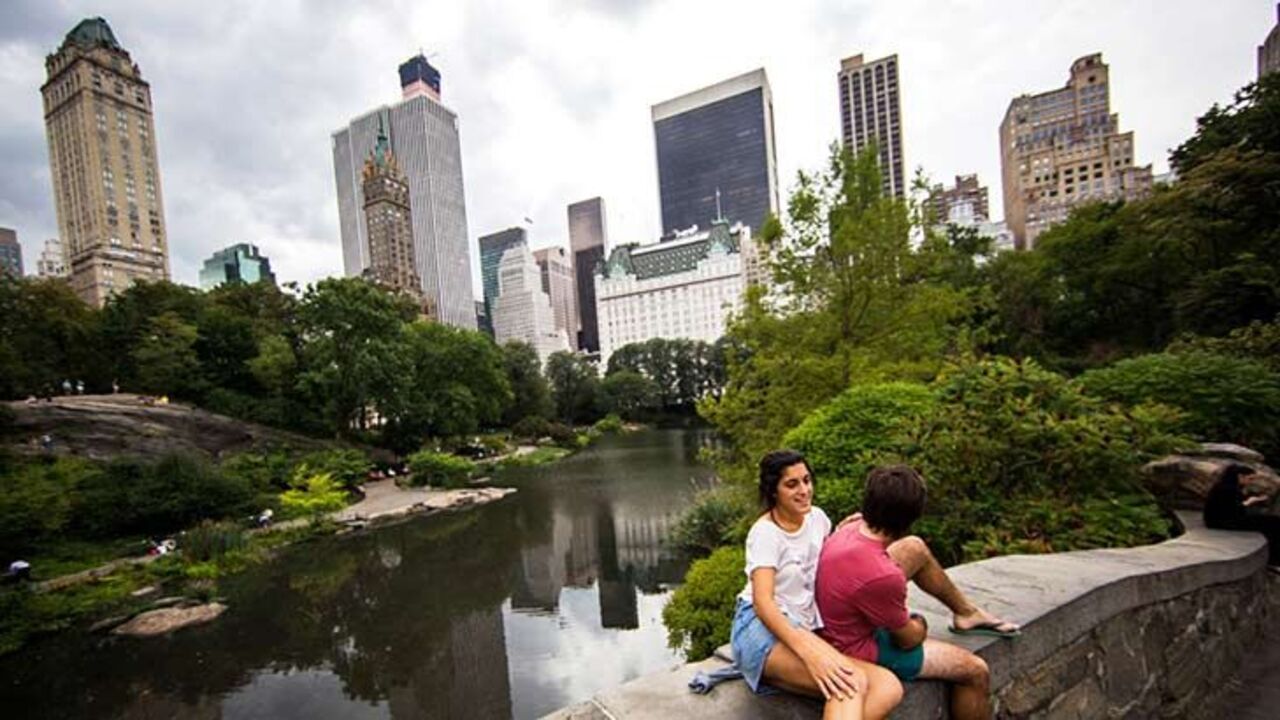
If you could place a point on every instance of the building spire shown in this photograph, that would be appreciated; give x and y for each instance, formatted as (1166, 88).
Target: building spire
(719, 213)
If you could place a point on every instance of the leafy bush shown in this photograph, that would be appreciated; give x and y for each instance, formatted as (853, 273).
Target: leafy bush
(844, 438)
(438, 469)
(174, 493)
(610, 423)
(1256, 341)
(562, 435)
(530, 428)
(1225, 399)
(1019, 458)
(348, 467)
(264, 473)
(211, 540)
(716, 517)
(36, 502)
(700, 613)
(315, 496)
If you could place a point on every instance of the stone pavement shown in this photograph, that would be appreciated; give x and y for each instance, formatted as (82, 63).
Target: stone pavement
(384, 499)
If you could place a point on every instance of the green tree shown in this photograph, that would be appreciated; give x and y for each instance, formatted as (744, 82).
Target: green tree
(575, 387)
(165, 360)
(47, 335)
(854, 303)
(1250, 122)
(354, 350)
(629, 394)
(456, 384)
(530, 394)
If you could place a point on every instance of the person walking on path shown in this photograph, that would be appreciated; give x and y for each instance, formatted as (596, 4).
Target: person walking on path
(861, 594)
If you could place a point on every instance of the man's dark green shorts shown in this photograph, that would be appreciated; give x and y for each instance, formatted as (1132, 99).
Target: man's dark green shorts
(905, 664)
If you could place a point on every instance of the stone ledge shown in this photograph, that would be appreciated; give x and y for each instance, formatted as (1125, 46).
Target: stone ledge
(1058, 599)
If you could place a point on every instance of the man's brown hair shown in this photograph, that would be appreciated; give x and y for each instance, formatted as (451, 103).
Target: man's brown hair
(893, 499)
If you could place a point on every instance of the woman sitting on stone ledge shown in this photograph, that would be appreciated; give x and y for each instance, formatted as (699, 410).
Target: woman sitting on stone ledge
(1236, 502)
(774, 643)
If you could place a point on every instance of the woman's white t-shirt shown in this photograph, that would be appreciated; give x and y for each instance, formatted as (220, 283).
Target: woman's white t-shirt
(795, 557)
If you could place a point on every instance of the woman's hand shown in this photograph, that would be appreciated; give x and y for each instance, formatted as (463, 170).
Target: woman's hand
(834, 674)
(852, 518)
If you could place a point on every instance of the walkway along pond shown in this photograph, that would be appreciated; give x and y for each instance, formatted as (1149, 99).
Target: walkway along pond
(512, 609)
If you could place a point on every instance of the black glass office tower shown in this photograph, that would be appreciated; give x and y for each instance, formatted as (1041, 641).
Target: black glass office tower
(717, 140)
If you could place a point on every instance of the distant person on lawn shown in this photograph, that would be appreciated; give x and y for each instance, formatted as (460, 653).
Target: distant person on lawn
(862, 595)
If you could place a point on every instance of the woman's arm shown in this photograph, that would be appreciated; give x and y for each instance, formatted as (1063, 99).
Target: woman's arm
(831, 670)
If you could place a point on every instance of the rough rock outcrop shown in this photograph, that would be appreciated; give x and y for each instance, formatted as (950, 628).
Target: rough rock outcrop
(1184, 480)
(167, 620)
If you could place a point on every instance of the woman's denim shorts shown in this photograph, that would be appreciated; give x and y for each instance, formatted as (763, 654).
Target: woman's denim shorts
(751, 642)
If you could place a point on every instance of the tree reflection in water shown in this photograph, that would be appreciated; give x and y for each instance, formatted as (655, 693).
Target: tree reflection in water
(406, 621)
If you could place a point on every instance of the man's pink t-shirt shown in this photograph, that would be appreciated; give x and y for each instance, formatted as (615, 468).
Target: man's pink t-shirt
(859, 588)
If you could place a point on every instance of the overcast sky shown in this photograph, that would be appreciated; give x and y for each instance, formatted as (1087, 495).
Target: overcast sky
(553, 96)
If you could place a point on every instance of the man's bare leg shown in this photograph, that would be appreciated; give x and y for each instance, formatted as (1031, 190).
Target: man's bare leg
(968, 673)
(919, 565)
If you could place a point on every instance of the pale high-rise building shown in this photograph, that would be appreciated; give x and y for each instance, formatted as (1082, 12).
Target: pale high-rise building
(556, 266)
(967, 197)
(871, 112)
(52, 262)
(1269, 50)
(10, 253)
(102, 156)
(1063, 148)
(492, 247)
(522, 311)
(588, 234)
(682, 287)
(423, 135)
(715, 146)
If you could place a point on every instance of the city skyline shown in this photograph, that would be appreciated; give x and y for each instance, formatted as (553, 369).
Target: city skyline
(240, 161)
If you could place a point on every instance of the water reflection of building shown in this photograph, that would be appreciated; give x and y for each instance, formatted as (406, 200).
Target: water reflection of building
(471, 682)
(619, 545)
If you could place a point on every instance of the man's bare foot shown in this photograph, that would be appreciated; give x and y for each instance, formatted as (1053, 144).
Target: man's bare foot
(979, 620)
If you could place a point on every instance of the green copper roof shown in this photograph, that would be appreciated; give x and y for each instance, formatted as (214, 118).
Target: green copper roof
(671, 257)
(93, 31)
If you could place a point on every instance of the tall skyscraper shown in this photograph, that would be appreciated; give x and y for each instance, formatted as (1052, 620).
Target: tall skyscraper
(588, 233)
(522, 311)
(967, 197)
(556, 266)
(492, 247)
(10, 253)
(1269, 50)
(717, 140)
(1062, 148)
(238, 263)
(52, 261)
(423, 135)
(871, 111)
(388, 219)
(102, 156)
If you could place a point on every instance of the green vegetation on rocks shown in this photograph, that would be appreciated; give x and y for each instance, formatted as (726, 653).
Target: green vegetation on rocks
(700, 613)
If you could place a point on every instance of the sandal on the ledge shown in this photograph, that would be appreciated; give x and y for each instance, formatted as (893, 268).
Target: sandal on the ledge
(988, 629)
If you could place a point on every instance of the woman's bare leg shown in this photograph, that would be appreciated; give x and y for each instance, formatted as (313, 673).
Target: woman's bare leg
(785, 670)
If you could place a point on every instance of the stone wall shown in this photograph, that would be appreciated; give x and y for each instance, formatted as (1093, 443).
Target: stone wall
(1149, 632)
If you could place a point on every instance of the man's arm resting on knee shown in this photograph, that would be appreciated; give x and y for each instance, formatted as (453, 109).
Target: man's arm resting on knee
(912, 634)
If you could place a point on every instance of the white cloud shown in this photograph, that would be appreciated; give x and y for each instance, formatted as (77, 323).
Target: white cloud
(553, 95)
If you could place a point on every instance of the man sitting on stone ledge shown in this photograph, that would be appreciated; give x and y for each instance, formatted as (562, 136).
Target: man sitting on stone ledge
(861, 593)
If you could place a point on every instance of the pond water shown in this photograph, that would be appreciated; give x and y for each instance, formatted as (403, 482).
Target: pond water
(508, 610)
